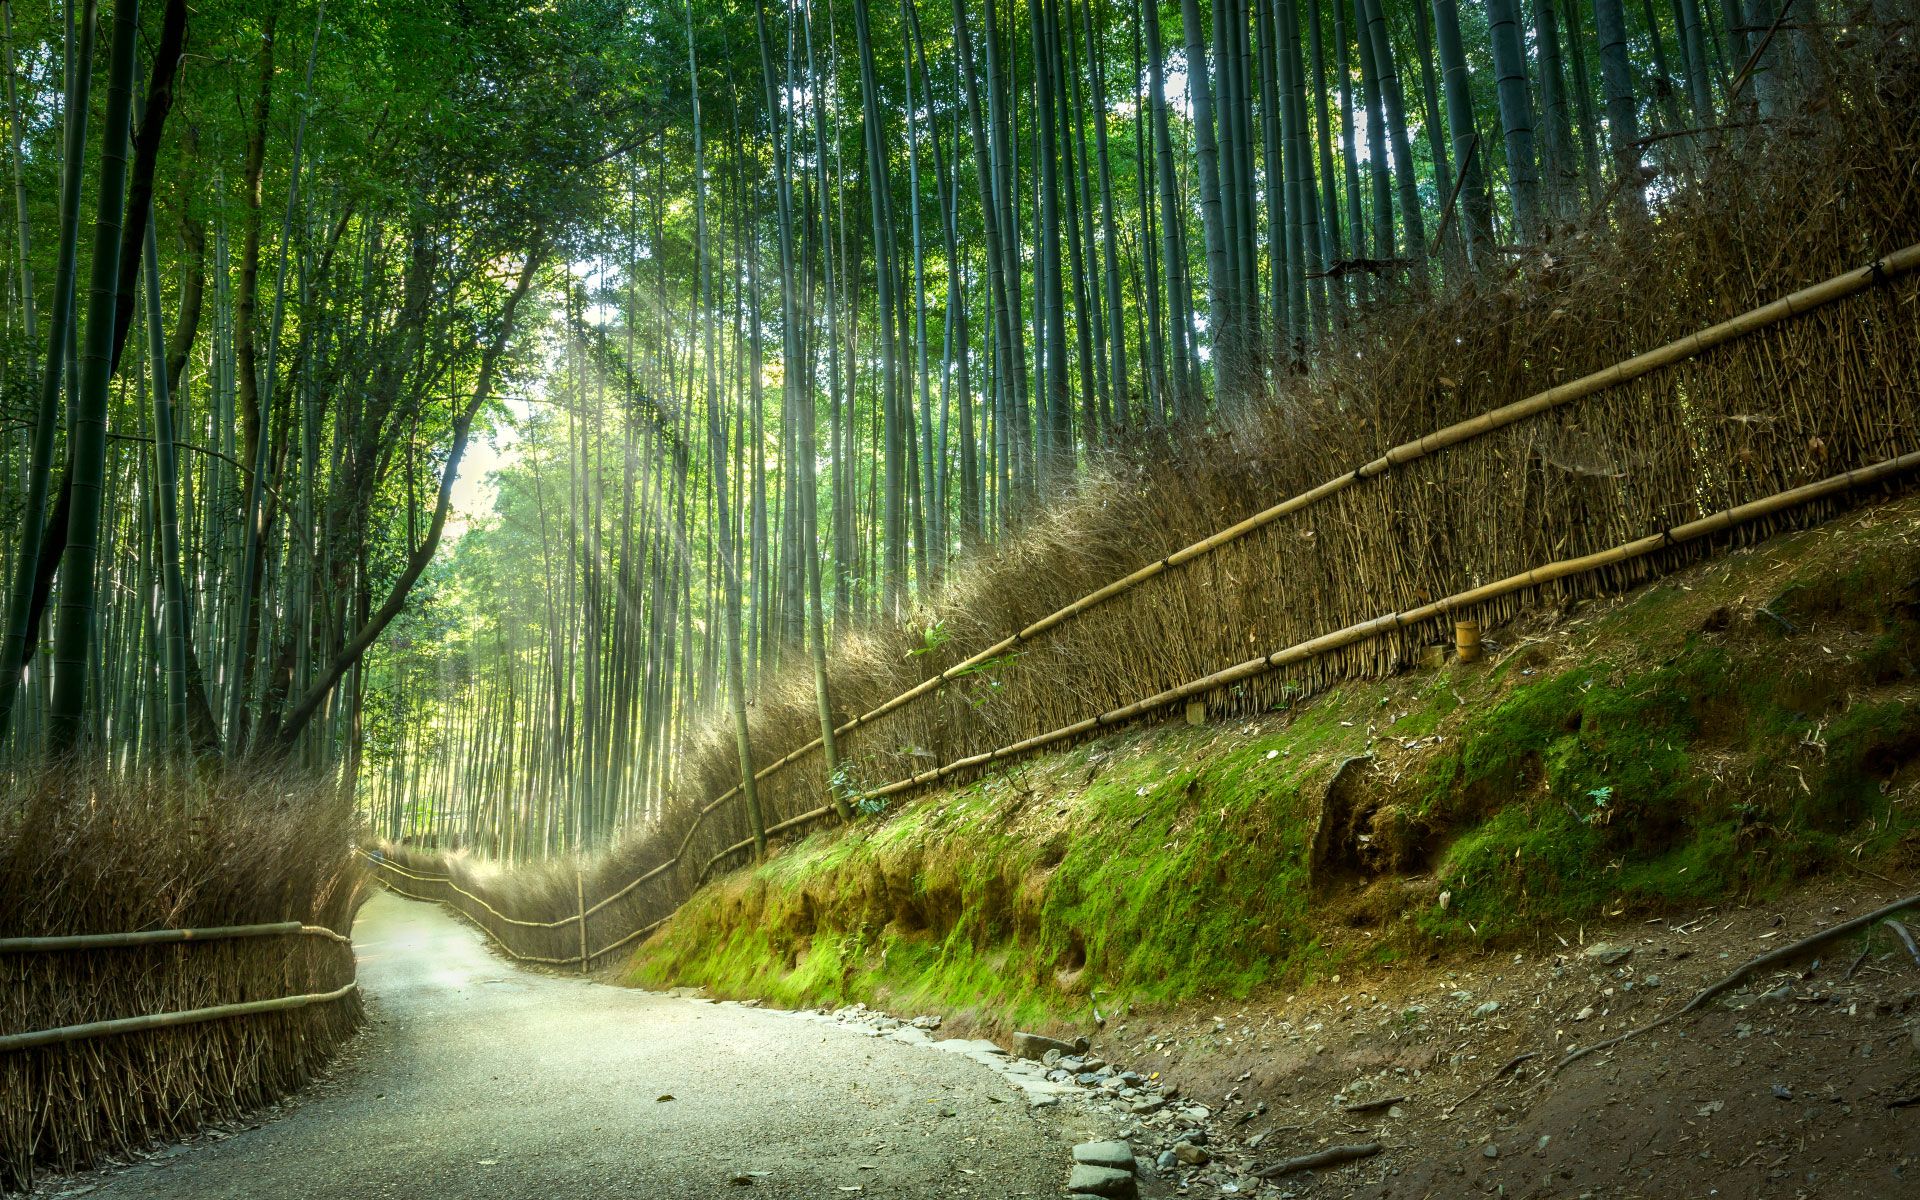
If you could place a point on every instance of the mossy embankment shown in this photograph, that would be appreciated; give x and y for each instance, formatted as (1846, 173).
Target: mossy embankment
(1728, 730)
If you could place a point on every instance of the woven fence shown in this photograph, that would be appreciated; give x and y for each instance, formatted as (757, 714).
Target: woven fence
(112, 1041)
(108, 1044)
(1824, 389)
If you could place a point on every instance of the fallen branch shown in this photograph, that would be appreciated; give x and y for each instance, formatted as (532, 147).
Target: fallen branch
(1331, 1156)
(1866, 948)
(1905, 936)
(1783, 954)
(1367, 1106)
(1505, 1070)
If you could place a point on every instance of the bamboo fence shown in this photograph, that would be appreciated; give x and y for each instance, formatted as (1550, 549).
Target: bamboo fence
(111, 1042)
(1622, 384)
(234, 1018)
(1413, 622)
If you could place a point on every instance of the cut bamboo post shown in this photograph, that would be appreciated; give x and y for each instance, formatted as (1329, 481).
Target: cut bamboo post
(1466, 640)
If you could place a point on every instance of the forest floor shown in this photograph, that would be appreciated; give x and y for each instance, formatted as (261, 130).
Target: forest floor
(476, 1079)
(1800, 1084)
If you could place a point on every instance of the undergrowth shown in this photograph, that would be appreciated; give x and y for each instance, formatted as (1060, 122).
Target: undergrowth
(1727, 731)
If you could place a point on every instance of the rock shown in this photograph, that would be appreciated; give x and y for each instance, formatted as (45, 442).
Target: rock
(1190, 1154)
(1488, 1009)
(1089, 1180)
(1167, 1160)
(1195, 1114)
(1116, 1156)
(1608, 954)
(1034, 1046)
(1197, 1136)
(1146, 1105)
(927, 1022)
(1490, 1150)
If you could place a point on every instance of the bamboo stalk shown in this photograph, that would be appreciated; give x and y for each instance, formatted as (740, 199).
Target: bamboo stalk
(171, 1020)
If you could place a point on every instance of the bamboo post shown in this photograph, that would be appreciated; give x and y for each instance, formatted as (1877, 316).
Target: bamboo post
(580, 906)
(1466, 640)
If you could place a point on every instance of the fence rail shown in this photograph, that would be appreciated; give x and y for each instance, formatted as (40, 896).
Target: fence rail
(167, 1020)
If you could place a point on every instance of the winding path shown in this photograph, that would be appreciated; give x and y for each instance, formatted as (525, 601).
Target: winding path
(477, 1080)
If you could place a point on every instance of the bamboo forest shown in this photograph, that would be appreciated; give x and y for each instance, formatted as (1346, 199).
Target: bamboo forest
(691, 486)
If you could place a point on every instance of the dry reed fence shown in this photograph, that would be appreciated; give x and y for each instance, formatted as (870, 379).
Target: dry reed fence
(86, 856)
(1815, 395)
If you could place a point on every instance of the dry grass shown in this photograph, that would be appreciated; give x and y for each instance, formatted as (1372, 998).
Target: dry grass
(1745, 224)
(95, 854)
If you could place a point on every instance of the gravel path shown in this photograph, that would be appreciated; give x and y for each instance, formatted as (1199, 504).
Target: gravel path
(475, 1079)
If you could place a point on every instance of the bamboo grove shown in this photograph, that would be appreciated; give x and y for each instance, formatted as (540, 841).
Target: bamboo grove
(900, 273)
(307, 280)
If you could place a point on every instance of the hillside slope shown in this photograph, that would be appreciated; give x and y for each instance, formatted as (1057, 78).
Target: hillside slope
(1726, 732)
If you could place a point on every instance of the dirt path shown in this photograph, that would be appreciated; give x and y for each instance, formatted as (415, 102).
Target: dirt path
(474, 1079)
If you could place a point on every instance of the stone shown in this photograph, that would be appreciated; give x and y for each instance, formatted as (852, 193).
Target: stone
(1087, 1180)
(1488, 1009)
(1035, 1046)
(1190, 1154)
(1167, 1161)
(1116, 1156)
(1146, 1105)
(1195, 1114)
(1490, 1150)
(1608, 954)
